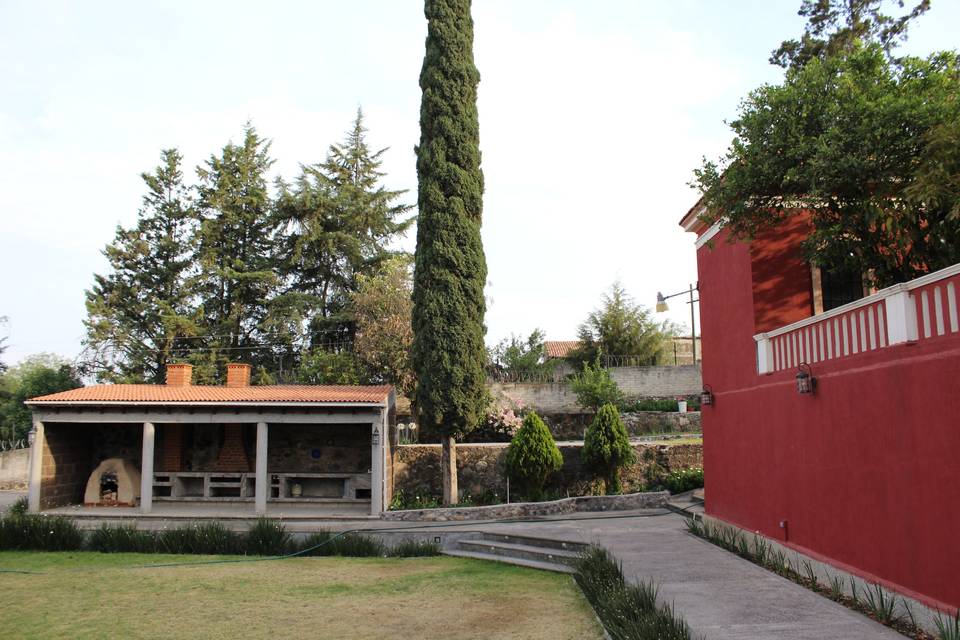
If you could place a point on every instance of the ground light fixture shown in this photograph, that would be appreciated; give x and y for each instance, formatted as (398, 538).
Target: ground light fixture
(706, 396)
(806, 383)
(662, 306)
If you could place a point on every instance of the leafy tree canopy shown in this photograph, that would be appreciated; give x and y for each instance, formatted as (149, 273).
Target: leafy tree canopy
(36, 375)
(522, 356)
(866, 147)
(836, 26)
(620, 327)
(595, 387)
(382, 307)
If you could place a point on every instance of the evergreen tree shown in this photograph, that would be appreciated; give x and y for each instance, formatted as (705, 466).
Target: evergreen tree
(450, 272)
(835, 26)
(139, 315)
(337, 223)
(36, 375)
(620, 327)
(606, 447)
(235, 254)
(533, 455)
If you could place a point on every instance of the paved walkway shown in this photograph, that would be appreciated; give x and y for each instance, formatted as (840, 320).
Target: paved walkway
(720, 595)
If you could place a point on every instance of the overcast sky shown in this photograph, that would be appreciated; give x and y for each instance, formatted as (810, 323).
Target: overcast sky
(592, 117)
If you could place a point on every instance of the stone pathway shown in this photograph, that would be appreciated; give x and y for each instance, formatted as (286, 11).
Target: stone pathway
(721, 596)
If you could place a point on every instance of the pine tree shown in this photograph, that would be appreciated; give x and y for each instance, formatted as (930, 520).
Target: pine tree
(448, 349)
(337, 222)
(235, 254)
(139, 314)
(836, 26)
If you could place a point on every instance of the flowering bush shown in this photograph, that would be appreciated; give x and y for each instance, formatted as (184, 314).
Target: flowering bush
(501, 422)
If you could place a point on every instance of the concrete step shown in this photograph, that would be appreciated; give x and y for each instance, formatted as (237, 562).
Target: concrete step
(519, 551)
(547, 543)
(520, 562)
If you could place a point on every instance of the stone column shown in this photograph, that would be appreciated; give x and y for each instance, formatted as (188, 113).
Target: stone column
(376, 467)
(36, 467)
(146, 469)
(262, 486)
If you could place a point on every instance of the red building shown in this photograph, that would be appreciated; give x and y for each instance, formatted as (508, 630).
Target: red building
(863, 473)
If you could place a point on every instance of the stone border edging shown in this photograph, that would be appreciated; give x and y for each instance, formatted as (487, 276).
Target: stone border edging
(625, 502)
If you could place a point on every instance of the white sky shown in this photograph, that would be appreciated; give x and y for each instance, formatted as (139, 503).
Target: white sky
(592, 118)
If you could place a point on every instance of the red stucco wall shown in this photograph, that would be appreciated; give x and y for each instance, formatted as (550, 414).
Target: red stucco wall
(865, 472)
(782, 291)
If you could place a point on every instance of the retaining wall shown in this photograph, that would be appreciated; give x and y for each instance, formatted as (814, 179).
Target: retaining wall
(480, 468)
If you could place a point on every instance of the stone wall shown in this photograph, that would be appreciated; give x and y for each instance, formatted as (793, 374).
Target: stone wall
(571, 426)
(635, 382)
(319, 449)
(66, 464)
(480, 467)
(14, 469)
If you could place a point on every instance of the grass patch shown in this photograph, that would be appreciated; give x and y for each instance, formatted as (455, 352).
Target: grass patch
(873, 601)
(628, 611)
(93, 595)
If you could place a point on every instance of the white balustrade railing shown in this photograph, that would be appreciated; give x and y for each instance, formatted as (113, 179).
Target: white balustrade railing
(918, 310)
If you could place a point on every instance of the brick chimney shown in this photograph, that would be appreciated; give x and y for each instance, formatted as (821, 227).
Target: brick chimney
(179, 375)
(238, 375)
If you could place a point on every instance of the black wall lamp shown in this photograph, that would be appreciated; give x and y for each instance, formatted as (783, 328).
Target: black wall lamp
(806, 383)
(706, 396)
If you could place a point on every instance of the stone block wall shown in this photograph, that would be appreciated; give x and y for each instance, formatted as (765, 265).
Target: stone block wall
(480, 468)
(634, 382)
(66, 464)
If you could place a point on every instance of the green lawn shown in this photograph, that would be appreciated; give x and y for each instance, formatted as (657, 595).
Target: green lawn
(93, 595)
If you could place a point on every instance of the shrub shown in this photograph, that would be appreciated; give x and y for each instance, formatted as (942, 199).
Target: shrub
(626, 610)
(684, 480)
(420, 500)
(532, 456)
(123, 538)
(267, 537)
(415, 549)
(658, 404)
(37, 532)
(948, 627)
(207, 538)
(353, 545)
(19, 507)
(595, 387)
(606, 447)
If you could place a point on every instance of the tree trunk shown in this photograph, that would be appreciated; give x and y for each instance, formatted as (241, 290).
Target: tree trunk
(448, 470)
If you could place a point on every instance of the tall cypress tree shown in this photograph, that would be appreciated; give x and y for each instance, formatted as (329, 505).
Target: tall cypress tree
(448, 348)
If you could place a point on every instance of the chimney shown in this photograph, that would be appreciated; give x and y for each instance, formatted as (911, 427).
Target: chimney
(179, 375)
(238, 375)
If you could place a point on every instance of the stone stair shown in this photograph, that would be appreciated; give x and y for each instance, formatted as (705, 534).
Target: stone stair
(524, 551)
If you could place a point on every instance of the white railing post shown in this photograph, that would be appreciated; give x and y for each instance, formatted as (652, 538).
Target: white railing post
(764, 354)
(901, 317)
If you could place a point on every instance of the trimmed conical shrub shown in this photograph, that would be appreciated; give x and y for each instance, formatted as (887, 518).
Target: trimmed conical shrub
(532, 456)
(606, 447)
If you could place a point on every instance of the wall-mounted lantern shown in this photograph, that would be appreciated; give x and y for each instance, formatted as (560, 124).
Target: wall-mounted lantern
(376, 436)
(706, 396)
(31, 436)
(806, 383)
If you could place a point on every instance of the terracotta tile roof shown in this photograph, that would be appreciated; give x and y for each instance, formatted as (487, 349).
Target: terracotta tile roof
(559, 348)
(202, 393)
